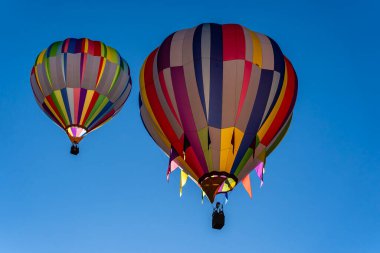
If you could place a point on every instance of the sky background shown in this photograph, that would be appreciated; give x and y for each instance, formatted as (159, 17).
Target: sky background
(322, 184)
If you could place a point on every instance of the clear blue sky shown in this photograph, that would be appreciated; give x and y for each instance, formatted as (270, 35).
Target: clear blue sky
(322, 186)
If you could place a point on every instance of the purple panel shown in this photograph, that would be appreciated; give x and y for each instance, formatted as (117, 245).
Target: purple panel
(163, 56)
(186, 115)
(82, 98)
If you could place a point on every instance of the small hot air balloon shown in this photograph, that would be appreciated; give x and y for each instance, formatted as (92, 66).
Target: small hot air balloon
(217, 99)
(80, 84)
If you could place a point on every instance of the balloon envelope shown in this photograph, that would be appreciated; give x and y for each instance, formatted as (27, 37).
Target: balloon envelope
(80, 84)
(217, 99)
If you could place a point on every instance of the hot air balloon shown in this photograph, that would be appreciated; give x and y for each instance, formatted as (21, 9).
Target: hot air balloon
(80, 84)
(217, 99)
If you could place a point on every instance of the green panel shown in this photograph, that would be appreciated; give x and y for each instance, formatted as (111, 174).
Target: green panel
(118, 70)
(54, 48)
(96, 106)
(203, 138)
(243, 161)
(61, 113)
(279, 138)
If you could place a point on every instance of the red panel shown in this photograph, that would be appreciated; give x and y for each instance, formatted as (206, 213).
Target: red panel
(50, 114)
(99, 69)
(233, 42)
(97, 48)
(166, 94)
(65, 46)
(246, 79)
(91, 106)
(193, 162)
(91, 47)
(83, 44)
(51, 103)
(156, 106)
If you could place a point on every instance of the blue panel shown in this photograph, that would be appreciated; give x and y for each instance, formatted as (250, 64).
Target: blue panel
(279, 66)
(67, 105)
(216, 76)
(163, 57)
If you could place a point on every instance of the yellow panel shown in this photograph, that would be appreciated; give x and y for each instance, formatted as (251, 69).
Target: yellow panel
(224, 154)
(231, 155)
(53, 112)
(86, 45)
(238, 139)
(227, 156)
(226, 137)
(112, 55)
(101, 71)
(225, 146)
(62, 106)
(257, 51)
(230, 160)
(38, 81)
(40, 57)
(70, 131)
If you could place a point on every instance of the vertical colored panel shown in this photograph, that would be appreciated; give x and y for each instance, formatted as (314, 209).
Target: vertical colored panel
(197, 59)
(157, 110)
(76, 92)
(216, 76)
(256, 115)
(246, 78)
(186, 114)
(257, 57)
(163, 56)
(284, 108)
(68, 106)
(233, 42)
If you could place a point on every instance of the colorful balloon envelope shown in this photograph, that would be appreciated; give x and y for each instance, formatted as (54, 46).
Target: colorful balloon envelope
(217, 99)
(80, 84)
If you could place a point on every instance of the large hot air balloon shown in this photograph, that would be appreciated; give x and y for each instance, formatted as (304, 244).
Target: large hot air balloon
(80, 84)
(217, 99)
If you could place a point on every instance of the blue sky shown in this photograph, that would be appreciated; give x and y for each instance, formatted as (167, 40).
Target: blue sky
(322, 186)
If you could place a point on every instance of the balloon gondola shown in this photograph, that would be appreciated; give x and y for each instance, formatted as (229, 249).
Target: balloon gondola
(218, 216)
(74, 149)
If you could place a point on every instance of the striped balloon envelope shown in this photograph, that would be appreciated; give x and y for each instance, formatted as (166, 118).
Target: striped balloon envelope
(217, 99)
(80, 84)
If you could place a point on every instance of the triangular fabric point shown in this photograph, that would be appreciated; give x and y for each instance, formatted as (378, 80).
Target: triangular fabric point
(260, 167)
(173, 165)
(259, 171)
(182, 182)
(247, 185)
